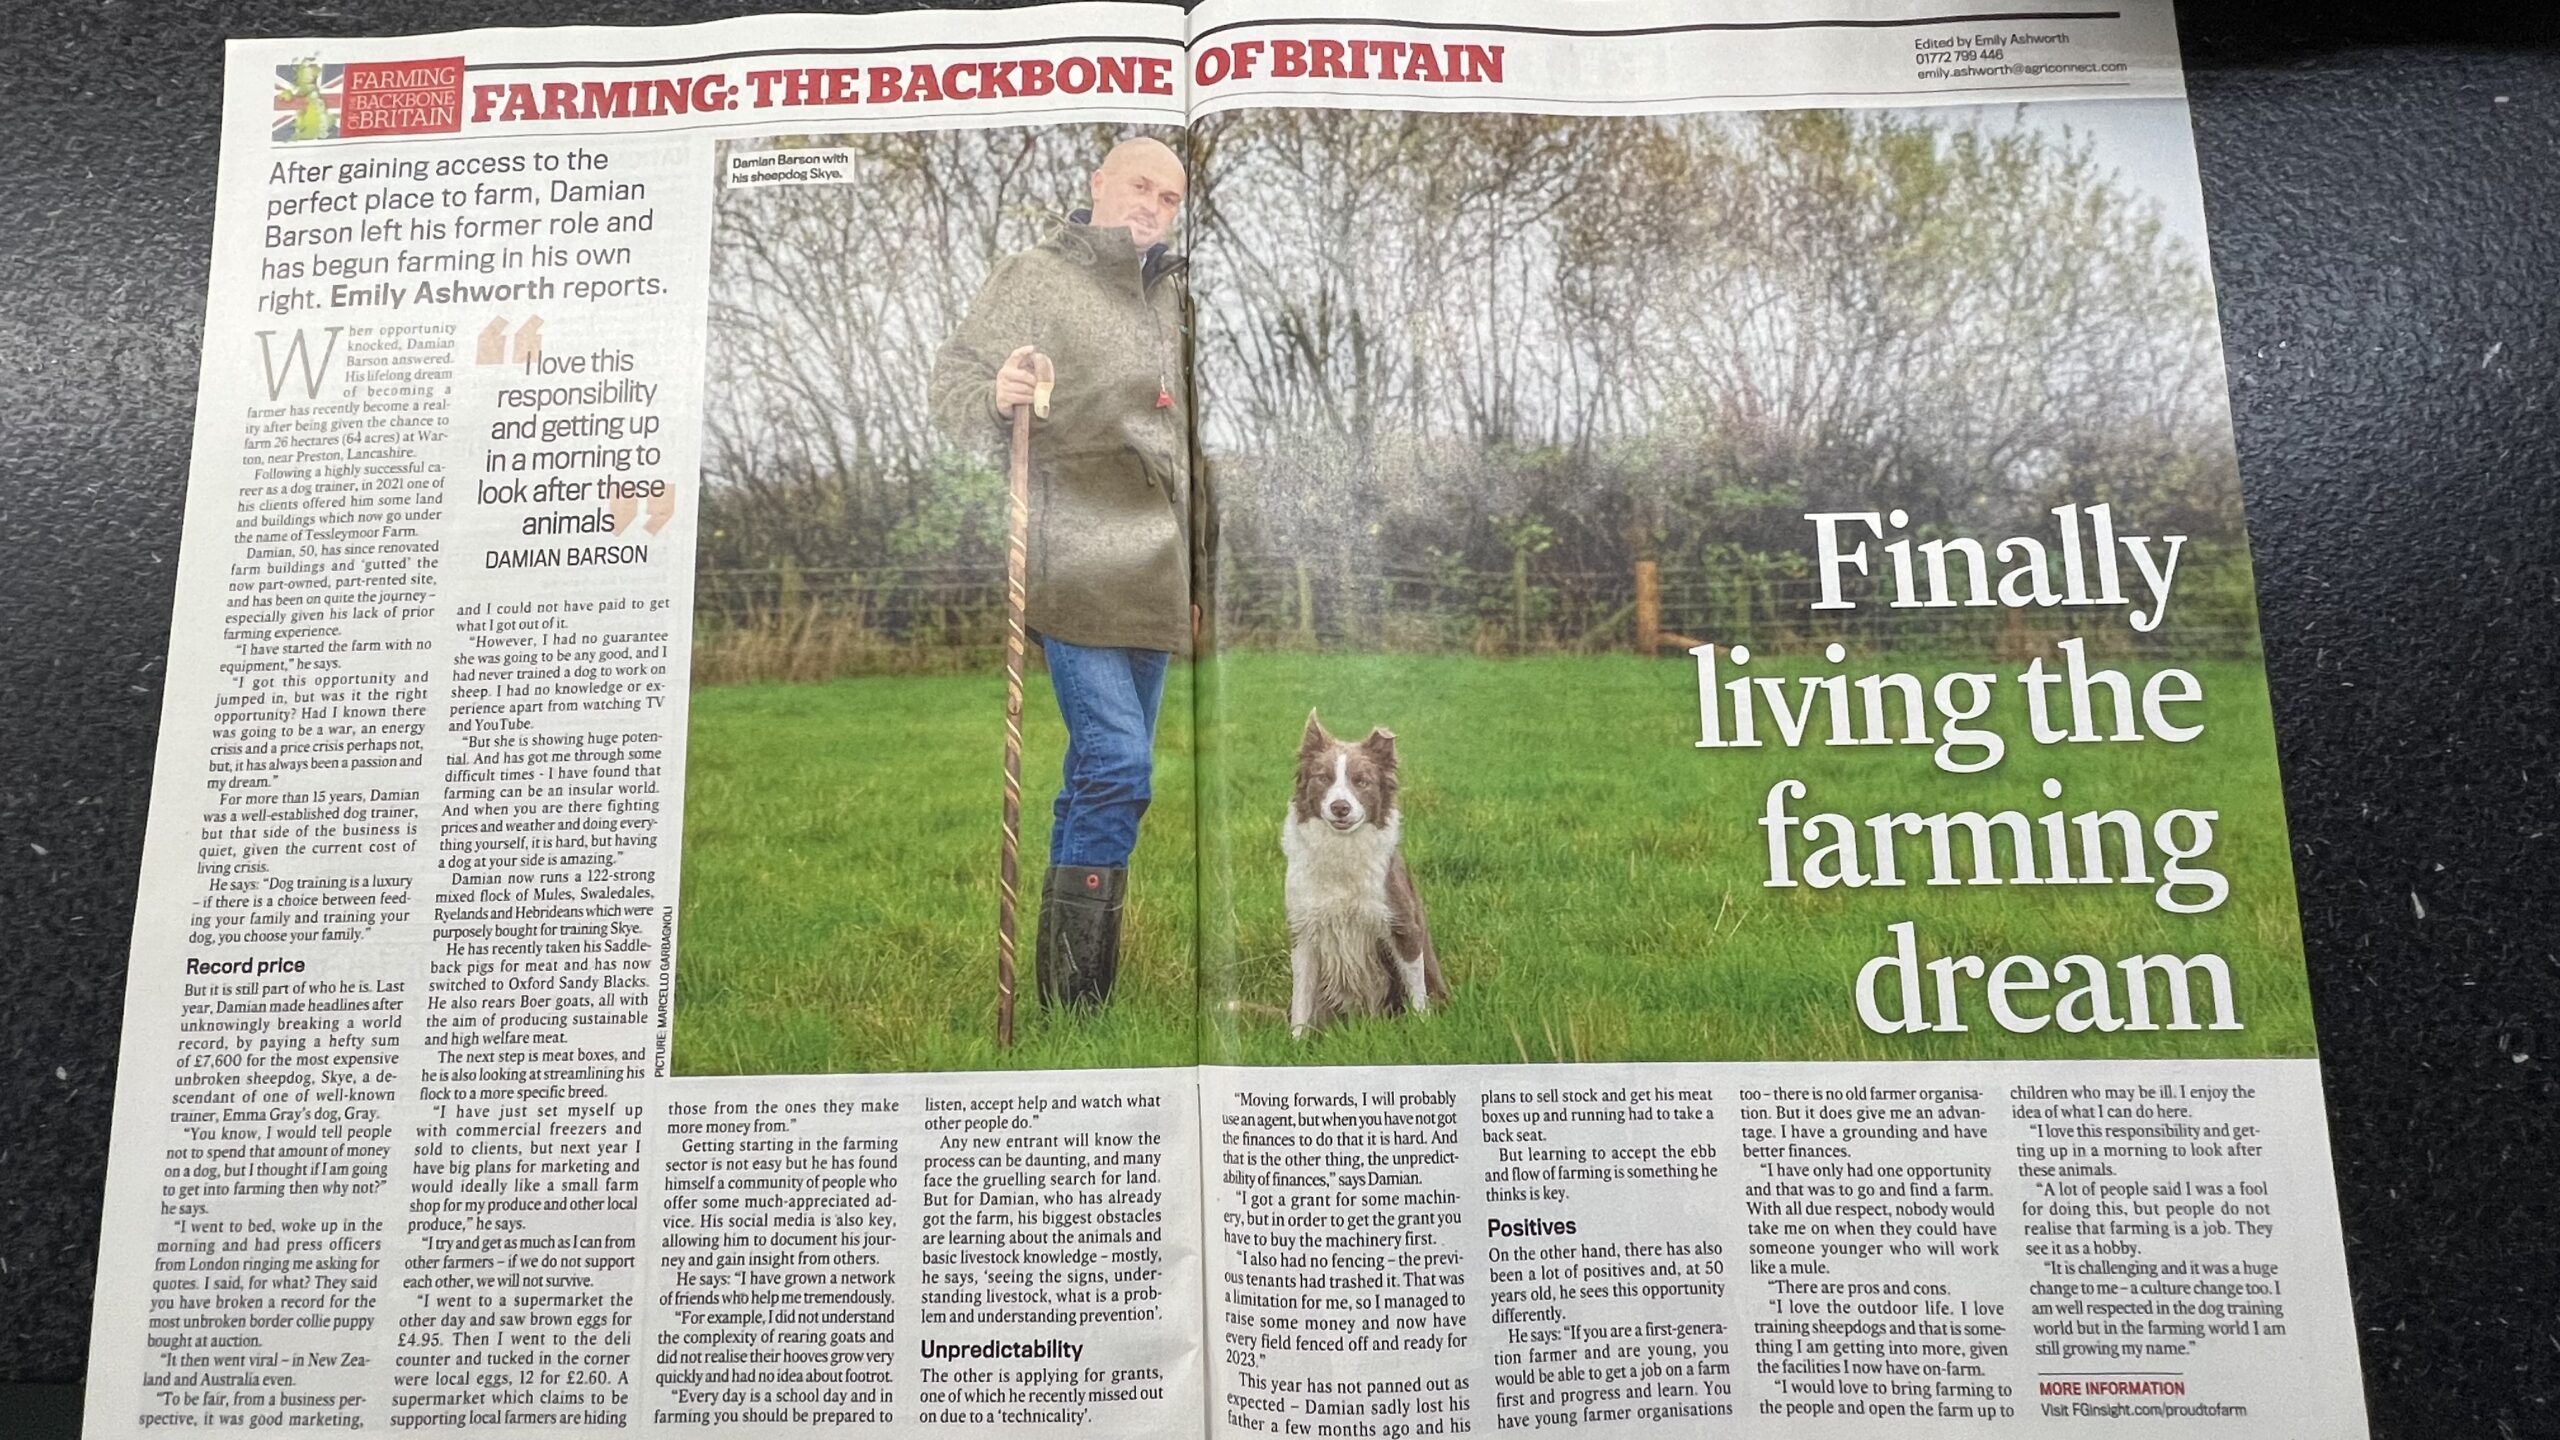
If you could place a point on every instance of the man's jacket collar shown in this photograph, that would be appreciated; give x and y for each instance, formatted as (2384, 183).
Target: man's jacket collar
(1078, 237)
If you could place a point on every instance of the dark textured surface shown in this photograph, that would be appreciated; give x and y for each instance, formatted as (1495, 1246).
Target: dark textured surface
(2390, 282)
(2384, 237)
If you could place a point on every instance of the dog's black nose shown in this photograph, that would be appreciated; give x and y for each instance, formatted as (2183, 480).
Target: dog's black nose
(1341, 809)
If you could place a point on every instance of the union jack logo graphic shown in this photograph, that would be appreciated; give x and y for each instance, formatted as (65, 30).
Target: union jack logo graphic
(308, 97)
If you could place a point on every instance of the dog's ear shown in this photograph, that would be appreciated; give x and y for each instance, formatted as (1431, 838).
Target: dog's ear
(1315, 739)
(1380, 750)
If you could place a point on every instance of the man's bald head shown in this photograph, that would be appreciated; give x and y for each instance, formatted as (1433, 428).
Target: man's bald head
(1144, 149)
(1140, 188)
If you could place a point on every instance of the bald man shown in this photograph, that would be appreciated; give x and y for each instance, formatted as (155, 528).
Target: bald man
(1111, 506)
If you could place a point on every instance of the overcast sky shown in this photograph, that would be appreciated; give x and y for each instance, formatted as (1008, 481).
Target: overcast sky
(2146, 144)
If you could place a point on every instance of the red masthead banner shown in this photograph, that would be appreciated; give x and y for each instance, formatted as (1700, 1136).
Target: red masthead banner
(403, 97)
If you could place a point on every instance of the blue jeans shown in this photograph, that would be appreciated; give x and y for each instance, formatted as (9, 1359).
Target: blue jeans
(1109, 698)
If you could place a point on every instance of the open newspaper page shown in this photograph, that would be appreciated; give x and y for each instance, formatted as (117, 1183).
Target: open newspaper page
(1746, 886)
(566, 992)
(785, 625)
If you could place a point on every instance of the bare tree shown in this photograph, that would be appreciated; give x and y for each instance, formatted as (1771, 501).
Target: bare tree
(1452, 345)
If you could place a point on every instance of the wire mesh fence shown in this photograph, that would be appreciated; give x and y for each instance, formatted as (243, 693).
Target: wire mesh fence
(1528, 609)
(788, 623)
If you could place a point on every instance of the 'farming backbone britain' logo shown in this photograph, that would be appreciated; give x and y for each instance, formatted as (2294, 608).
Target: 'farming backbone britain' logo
(315, 101)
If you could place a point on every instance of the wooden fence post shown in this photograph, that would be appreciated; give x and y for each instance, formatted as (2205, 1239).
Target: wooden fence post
(1648, 608)
(1519, 600)
(1650, 636)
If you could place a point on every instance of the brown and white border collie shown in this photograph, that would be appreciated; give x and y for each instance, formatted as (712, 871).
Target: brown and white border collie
(1357, 941)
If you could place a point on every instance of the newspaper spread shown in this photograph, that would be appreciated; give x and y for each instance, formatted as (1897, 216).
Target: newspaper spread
(1349, 724)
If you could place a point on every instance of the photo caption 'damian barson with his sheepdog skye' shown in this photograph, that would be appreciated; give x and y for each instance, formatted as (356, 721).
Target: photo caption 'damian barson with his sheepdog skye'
(2075, 702)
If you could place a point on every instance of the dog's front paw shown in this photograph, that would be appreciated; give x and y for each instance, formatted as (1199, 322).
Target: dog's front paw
(1301, 1032)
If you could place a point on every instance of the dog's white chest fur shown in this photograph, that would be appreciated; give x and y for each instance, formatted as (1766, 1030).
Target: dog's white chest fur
(1338, 910)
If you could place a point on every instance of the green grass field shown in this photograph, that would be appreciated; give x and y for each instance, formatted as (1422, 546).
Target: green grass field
(1593, 879)
(839, 902)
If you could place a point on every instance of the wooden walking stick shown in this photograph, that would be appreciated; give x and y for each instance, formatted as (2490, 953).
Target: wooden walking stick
(1016, 598)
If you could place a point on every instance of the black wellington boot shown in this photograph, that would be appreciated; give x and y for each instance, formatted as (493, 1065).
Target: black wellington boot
(1077, 954)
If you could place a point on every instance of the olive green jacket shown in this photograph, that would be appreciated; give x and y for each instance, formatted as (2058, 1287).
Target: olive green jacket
(1111, 491)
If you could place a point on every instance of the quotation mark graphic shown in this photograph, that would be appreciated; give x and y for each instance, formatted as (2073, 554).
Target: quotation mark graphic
(494, 349)
(661, 509)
